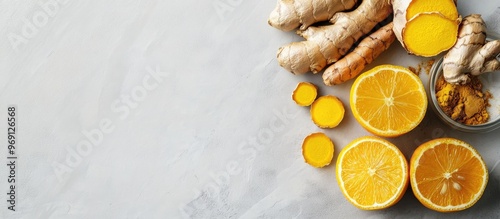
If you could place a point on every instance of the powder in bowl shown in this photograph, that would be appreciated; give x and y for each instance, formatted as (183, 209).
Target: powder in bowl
(463, 103)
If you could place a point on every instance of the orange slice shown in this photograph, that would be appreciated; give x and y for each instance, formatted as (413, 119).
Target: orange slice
(372, 173)
(388, 100)
(317, 150)
(447, 174)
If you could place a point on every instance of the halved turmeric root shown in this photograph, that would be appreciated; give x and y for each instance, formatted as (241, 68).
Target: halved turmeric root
(429, 34)
(426, 28)
(304, 94)
(446, 7)
(327, 111)
(317, 150)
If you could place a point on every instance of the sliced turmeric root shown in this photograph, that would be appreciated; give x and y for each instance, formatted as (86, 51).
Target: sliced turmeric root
(304, 94)
(447, 8)
(428, 34)
(317, 150)
(426, 28)
(327, 112)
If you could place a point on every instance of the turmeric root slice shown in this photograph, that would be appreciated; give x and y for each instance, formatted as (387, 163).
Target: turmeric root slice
(428, 34)
(426, 28)
(304, 94)
(327, 111)
(447, 8)
(317, 150)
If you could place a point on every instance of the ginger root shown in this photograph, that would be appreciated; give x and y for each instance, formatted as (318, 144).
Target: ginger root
(327, 44)
(471, 55)
(288, 15)
(327, 111)
(304, 94)
(426, 28)
(353, 63)
(317, 150)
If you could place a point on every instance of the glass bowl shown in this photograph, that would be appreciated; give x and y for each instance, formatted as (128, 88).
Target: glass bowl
(491, 83)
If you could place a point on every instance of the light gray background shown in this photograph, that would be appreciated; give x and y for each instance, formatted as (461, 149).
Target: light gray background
(195, 115)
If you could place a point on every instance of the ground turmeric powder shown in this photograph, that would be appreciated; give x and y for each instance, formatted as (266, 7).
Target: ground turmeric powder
(463, 103)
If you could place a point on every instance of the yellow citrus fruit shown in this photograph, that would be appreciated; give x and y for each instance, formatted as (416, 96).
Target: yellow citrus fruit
(372, 173)
(317, 150)
(447, 174)
(388, 100)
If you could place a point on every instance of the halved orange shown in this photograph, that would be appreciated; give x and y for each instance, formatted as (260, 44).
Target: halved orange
(372, 173)
(447, 174)
(388, 100)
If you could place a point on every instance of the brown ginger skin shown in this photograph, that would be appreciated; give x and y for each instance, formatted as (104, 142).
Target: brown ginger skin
(471, 55)
(289, 15)
(327, 44)
(353, 63)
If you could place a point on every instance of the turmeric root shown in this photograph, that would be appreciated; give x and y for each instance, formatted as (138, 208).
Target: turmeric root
(288, 15)
(317, 150)
(471, 55)
(327, 111)
(304, 94)
(446, 7)
(353, 63)
(426, 28)
(327, 44)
